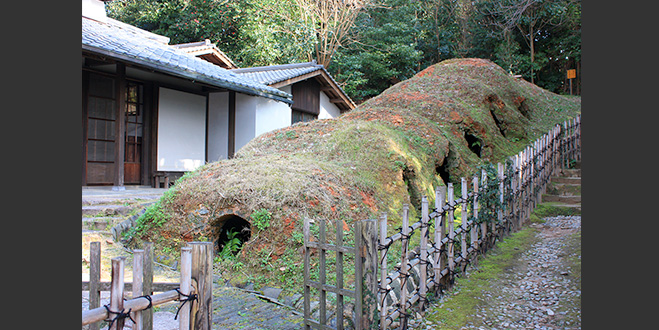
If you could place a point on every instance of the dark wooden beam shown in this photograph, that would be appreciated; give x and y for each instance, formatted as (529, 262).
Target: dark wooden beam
(120, 126)
(85, 98)
(232, 125)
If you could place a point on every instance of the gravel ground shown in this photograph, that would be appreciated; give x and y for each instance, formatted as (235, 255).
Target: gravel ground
(541, 292)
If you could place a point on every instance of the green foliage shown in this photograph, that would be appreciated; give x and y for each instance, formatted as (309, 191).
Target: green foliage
(153, 217)
(231, 246)
(394, 39)
(489, 203)
(261, 219)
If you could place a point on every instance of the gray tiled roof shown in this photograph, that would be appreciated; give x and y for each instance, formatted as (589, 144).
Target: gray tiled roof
(275, 73)
(117, 41)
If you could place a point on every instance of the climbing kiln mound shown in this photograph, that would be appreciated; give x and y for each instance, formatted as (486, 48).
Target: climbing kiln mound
(417, 135)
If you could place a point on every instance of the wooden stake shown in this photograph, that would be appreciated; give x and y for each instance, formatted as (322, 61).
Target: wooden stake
(117, 292)
(423, 255)
(185, 286)
(147, 284)
(404, 271)
(202, 274)
(138, 277)
(307, 294)
(339, 275)
(451, 231)
(464, 222)
(94, 279)
(383, 271)
(440, 223)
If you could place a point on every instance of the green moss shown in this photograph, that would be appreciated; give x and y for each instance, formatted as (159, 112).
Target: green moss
(461, 303)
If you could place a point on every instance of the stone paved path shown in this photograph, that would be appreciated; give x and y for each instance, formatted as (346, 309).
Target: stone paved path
(237, 309)
(542, 291)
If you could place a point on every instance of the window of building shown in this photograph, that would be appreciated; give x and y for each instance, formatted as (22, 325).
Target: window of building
(299, 116)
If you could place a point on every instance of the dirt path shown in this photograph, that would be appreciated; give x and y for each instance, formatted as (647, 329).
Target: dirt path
(542, 289)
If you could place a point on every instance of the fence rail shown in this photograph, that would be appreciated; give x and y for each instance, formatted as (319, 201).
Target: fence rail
(499, 201)
(193, 291)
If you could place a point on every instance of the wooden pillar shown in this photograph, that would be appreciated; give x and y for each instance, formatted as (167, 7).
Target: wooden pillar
(202, 274)
(231, 148)
(120, 127)
(85, 124)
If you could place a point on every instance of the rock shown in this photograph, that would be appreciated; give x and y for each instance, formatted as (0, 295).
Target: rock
(271, 292)
(550, 312)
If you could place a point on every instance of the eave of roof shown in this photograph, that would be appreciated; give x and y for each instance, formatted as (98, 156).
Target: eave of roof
(209, 52)
(287, 74)
(126, 45)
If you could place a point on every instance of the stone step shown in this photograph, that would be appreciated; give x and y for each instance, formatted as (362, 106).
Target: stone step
(100, 223)
(569, 172)
(563, 189)
(564, 199)
(105, 210)
(567, 180)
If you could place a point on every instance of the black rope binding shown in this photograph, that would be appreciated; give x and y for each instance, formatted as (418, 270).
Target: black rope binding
(188, 297)
(119, 315)
(147, 297)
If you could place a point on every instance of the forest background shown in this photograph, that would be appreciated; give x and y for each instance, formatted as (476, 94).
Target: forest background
(370, 45)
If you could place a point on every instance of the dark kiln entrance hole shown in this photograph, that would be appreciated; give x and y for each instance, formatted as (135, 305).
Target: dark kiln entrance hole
(474, 143)
(229, 227)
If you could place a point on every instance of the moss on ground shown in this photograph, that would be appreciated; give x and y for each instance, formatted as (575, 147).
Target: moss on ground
(466, 296)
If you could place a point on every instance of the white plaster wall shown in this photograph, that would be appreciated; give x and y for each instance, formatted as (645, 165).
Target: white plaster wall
(181, 130)
(218, 126)
(327, 108)
(245, 119)
(271, 115)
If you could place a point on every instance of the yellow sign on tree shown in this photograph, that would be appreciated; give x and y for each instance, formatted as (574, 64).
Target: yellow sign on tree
(571, 74)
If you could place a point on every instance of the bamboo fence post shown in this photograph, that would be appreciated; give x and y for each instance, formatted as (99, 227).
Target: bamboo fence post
(440, 197)
(484, 222)
(579, 137)
(117, 292)
(201, 273)
(566, 144)
(147, 284)
(531, 179)
(369, 234)
(307, 293)
(522, 175)
(464, 223)
(138, 278)
(383, 271)
(474, 226)
(502, 207)
(94, 279)
(423, 251)
(185, 285)
(451, 230)
(359, 278)
(322, 274)
(404, 275)
(339, 274)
